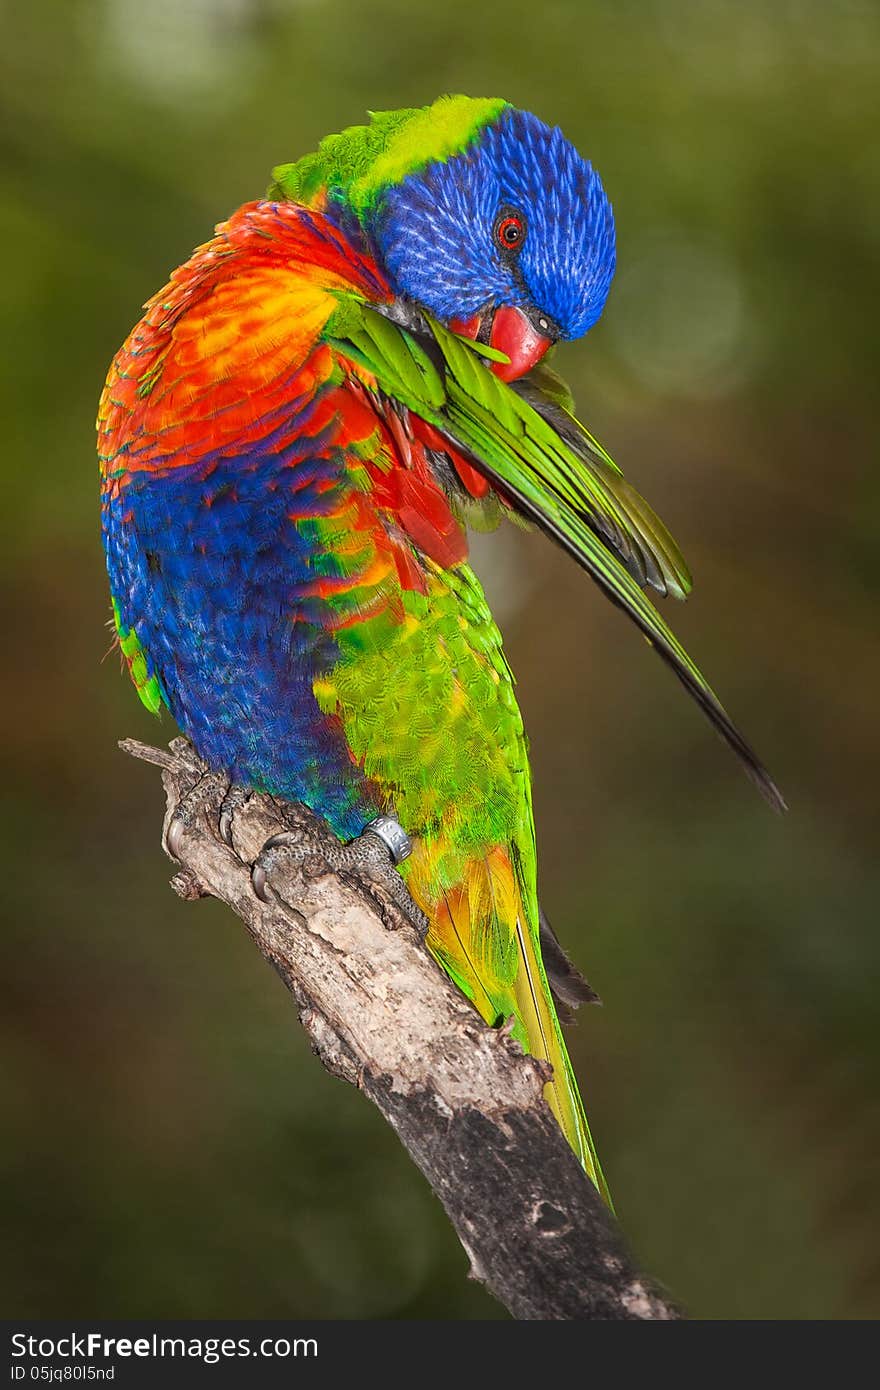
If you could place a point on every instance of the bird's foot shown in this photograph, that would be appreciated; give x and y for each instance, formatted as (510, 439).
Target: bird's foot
(381, 846)
(375, 853)
(210, 790)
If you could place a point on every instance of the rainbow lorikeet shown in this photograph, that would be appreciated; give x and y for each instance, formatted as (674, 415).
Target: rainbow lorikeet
(294, 440)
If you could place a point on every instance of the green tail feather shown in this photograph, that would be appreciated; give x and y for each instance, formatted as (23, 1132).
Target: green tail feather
(538, 1016)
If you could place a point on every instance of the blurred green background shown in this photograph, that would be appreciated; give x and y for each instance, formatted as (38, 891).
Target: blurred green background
(172, 1148)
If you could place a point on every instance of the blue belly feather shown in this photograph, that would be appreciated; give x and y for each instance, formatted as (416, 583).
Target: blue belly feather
(209, 571)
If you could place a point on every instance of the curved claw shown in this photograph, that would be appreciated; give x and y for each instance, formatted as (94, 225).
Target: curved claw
(236, 797)
(260, 882)
(174, 838)
(224, 825)
(259, 870)
(283, 837)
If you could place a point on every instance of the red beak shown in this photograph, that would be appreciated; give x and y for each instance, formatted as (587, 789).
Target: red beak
(512, 333)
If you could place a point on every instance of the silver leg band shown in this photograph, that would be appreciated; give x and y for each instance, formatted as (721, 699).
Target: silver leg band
(392, 834)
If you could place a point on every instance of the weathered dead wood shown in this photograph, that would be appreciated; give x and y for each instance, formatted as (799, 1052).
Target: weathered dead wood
(463, 1099)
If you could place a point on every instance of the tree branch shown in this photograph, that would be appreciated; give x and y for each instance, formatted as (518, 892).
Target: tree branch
(463, 1099)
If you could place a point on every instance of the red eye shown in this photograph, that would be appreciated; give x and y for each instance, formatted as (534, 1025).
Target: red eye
(510, 230)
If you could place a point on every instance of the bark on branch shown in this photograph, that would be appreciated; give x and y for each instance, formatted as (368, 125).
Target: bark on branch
(463, 1099)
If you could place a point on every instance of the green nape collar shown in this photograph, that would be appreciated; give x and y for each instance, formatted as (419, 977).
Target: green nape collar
(362, 161)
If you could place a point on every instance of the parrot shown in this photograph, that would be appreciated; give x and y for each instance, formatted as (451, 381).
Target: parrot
(295, 441)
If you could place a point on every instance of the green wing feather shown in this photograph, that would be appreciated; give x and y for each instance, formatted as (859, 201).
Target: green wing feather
(527, 442)
(642, 543)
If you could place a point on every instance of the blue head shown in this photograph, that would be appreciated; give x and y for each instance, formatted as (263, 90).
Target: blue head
(517, 218)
